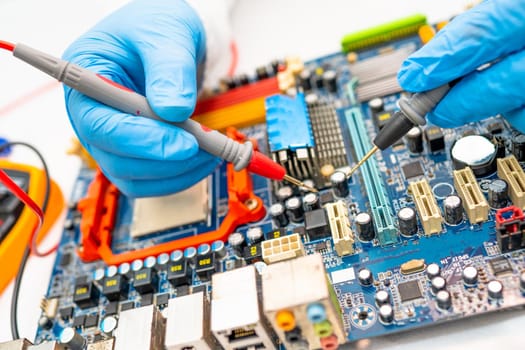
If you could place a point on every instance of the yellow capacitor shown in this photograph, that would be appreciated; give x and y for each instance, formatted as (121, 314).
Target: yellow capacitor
(426, 33)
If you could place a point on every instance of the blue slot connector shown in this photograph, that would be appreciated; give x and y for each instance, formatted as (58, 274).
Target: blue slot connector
(386, 230)
(288, 123)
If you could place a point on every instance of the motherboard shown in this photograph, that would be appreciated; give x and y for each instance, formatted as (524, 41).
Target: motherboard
(428, 231)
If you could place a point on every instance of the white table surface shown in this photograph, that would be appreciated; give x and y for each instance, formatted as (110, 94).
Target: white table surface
(264, 30)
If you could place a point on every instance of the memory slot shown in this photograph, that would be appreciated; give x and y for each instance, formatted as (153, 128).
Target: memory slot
(375, 188)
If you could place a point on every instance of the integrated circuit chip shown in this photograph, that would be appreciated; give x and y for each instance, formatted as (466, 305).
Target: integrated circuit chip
(412, 170)
(409, 290)
(500, 266)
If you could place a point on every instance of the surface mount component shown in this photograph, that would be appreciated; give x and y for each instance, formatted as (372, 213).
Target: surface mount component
(413, 170)
(409, 290)
(236, 318)
(161, 213)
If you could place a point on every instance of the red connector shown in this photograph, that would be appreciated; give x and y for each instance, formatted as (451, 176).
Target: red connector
(510, 228)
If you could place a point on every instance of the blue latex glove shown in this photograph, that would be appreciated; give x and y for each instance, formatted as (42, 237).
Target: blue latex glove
(153, 47)
(493, 30)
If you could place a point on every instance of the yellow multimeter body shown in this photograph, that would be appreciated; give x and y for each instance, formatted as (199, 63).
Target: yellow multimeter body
(16, 239)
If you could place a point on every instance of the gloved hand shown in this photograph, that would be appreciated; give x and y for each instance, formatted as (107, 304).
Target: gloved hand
(155, 48)
(492, 30)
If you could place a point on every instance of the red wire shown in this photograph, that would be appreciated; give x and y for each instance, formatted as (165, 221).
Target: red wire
(17, 191)
(6, 45)
(235, 58)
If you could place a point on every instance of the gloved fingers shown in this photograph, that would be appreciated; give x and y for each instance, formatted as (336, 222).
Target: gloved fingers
(170, 57)
(516, 118)
(127, 135)
(125, 168)
(160, 187)
(170, 68)
(488, 31)
(497, 89)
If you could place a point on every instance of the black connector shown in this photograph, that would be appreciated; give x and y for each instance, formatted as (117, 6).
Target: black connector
(396, 128)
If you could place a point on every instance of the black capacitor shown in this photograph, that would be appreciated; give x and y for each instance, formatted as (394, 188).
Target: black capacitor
(45, 322)
(414, 140)
(317, 80)
(330, 80)
(365, 277)
(453, 208)
(522, 281)
(261, 72)
(498, 193)
(501, 148)
(230, 83)
(275, 66)
(243, 79)
(305, 79)
(386, 313)
(495, 289)
(438, 283)
(237, 242)
(254, 235)
(443, 299)
(283, 193)
(365, 229)
(470, 275)
(278, 214)
(339, 184)
(382, 297)
(518, 147)
(311, 201)
(294, 208)
(376, 105)
(407, 221)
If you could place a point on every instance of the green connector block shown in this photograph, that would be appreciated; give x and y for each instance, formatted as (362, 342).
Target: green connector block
(382, 33)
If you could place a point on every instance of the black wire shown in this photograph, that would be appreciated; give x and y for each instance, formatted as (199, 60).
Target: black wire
(27, 251)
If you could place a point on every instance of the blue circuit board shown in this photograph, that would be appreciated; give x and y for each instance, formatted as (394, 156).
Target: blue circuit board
(452, 249)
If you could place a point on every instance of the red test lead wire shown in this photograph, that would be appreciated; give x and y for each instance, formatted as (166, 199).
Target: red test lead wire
(20, 194)
(7, 45)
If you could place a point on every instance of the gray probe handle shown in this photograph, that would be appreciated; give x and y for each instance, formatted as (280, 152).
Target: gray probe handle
(128, 101)
(417, 106)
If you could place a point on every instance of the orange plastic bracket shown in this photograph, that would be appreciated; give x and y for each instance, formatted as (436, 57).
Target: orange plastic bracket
(99, 209)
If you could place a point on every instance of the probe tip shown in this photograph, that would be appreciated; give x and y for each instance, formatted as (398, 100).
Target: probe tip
(299, 183)
(363, 160)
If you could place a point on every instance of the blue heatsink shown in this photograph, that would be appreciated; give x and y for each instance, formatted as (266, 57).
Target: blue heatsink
(287, 123)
